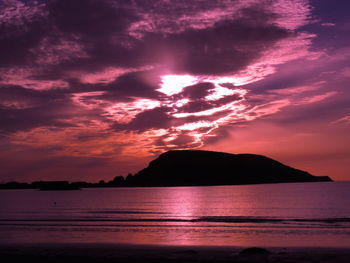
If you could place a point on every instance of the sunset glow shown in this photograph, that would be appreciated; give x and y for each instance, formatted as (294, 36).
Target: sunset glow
(131, 78)
(174, 84)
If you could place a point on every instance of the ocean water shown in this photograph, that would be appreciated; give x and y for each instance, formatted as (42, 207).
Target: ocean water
(295, 214)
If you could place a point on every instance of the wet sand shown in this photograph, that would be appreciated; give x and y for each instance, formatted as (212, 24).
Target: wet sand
(66, 253)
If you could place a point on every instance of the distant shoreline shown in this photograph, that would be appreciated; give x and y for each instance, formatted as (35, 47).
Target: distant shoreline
(79, 186)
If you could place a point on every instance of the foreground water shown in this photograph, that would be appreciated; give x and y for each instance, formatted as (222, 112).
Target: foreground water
(298, 214)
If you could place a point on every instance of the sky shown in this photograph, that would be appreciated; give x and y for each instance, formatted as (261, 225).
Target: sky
(93, 89)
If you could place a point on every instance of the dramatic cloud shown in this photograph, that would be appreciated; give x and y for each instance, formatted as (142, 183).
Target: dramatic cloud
(109, 79)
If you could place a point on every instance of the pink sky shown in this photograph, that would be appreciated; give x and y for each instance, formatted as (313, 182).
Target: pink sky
(94, 89)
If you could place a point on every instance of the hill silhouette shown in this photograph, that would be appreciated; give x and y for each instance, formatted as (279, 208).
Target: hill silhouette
(200, 168)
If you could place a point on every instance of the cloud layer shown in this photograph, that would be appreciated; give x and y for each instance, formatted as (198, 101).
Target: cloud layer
(103, 78)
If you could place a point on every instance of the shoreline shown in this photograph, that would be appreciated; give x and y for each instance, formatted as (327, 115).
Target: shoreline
(106, 185)
(108, 252)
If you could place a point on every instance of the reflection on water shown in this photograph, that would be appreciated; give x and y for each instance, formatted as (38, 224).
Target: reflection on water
(301, 214)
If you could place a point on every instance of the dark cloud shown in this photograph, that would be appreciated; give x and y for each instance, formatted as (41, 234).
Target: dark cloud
(101, 27)
(91, 18)
(151, 119)
(13, 120)
(197, 91)
(102, 30)
(136, 84)
(24, 109)
(227, 47)
(15, 42)
(196, 106)
(19, 93)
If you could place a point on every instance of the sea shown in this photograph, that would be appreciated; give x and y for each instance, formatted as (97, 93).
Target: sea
(274, 215)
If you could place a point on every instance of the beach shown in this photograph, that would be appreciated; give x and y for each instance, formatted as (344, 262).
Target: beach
(80, 252)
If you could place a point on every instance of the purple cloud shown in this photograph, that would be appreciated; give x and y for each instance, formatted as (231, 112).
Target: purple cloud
(103, 79)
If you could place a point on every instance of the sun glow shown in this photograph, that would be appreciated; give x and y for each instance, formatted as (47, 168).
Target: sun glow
(195, 117)
(174, 84)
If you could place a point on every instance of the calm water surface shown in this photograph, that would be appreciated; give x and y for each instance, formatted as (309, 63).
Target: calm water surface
(300, 214)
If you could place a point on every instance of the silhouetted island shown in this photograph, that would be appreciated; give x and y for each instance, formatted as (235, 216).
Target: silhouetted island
(192, 168)
(200, 168)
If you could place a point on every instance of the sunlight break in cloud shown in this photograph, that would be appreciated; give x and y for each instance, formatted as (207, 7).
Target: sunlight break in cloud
(174, 84)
